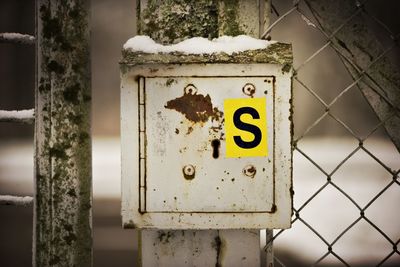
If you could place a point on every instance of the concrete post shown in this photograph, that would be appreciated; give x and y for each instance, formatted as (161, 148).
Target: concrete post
(63, 175)
(170, 22)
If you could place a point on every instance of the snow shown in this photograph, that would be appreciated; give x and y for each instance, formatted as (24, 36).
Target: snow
(197, 45)
(17, 38)
(25, 115)
(15, 200)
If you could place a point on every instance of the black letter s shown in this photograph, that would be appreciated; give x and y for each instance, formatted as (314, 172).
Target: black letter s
(247, 127)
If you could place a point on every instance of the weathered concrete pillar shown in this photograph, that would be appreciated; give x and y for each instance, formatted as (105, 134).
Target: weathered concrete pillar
(237, 17)
(169, 22)
(63, 175)
(172, 21)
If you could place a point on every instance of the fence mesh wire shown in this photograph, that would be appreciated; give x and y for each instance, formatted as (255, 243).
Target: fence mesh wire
(360, 210)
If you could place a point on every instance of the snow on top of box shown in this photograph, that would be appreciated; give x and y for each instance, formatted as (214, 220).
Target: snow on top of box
(197, 45)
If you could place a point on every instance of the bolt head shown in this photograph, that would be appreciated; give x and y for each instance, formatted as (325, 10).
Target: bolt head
(249, 171)
(249, 89)
(189, 171)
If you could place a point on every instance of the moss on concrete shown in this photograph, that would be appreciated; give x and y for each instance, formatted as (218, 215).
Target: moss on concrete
(277, 53)
(175, 20)
(63, 152)
(228, 19)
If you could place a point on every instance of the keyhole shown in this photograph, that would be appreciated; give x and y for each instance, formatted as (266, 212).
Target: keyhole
(215, 144)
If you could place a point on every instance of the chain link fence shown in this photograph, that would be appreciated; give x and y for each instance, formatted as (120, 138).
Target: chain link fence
(348, 209)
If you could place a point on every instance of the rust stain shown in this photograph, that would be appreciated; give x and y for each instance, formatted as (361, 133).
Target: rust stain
(249, 89)
(189, 130)
(195, 107)
(249, 171)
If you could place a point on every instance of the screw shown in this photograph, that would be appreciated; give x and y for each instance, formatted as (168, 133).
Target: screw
(188, 171)
(249, 89)
(249, 171)
(190, 89)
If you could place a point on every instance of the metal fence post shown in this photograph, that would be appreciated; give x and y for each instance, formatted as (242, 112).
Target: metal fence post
(63, 175)
(165, 24)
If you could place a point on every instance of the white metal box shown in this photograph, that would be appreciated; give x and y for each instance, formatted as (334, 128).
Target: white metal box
(206, 141)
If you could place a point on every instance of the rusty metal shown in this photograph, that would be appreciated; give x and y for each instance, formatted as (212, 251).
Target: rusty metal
(195, 107)
(190, 89)
(250, 171)
(63, 174)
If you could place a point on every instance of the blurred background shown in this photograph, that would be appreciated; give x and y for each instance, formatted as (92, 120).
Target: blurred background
(113, 22)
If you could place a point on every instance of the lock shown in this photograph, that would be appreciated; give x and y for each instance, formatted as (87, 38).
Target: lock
(206, 142)
(215, 143)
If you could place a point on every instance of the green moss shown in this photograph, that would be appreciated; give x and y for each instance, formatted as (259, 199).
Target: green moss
(54, 260)
(277, 53)
(71, 237)
(44, 86)
(71, 93)
(286, 68)
(53, 28)
(165, 236)
(71, 192)
(75, 119)
(229, 19)
(64, 186)
(58, 152)
(175, 20)
(54, 66)
(83, 137)
(169, 82)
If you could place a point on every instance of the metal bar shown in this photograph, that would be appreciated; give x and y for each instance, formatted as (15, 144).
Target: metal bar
(268, 30)
(265, 11)
(315, 123)
(346, 195)
(316, 53)
(312, 92)
(346, 230)
(340, 259)
(21, 116)
(17, 38)
(361, 76)
(314, 231)
(63, 175)
(269, 248)
(345, 126)
(16, 200)
(378, 160)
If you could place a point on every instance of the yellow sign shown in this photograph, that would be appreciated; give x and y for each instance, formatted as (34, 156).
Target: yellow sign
(246, 127)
